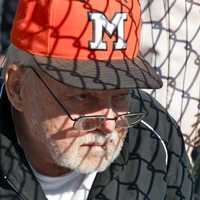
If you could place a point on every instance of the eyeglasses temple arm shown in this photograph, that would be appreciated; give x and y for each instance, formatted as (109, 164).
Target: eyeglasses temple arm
(51, 92)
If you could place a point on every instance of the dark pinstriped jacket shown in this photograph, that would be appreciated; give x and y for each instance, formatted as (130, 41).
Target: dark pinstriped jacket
(152, 165)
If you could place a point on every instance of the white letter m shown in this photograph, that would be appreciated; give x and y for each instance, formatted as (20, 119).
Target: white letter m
(101, 24)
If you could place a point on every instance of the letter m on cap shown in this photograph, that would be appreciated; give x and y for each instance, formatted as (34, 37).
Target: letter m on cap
(101, 24)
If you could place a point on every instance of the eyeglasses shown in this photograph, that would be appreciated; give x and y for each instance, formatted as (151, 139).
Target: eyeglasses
(90, 123)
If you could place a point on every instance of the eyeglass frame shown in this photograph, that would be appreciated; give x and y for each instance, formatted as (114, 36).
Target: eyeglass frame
(75, 120)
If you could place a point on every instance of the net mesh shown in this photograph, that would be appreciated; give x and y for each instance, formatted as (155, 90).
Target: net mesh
(172, 48)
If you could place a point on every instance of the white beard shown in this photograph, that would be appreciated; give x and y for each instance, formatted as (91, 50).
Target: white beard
(89, 162)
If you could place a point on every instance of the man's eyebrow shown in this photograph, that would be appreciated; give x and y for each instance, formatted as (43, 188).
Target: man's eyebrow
(111, 92)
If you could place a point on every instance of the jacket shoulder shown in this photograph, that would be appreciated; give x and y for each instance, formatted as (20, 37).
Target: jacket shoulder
(159, 137)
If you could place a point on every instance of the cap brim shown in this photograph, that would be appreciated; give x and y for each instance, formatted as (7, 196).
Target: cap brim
(93, 74)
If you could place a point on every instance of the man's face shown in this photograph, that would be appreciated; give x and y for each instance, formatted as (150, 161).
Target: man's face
(51, 132)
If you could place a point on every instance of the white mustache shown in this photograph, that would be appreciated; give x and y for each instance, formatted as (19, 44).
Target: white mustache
(99, 138)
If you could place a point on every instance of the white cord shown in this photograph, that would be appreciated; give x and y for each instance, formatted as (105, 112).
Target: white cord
(158, 136)
(1, 90)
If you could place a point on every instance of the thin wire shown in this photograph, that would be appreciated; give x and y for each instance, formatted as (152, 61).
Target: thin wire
(158, 136)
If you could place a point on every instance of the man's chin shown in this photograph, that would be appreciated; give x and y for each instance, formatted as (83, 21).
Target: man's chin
(81, 168)
(89, 157)
(89, 165)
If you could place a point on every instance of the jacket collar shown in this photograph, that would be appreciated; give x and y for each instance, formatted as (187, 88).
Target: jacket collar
(13, 163)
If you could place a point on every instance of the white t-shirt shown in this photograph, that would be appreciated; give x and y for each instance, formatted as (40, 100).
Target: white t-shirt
(72, 186)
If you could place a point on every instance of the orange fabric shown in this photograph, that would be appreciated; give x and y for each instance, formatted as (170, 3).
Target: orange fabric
(61, 28)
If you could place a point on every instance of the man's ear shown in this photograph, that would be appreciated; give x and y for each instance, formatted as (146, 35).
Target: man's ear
(14, 84)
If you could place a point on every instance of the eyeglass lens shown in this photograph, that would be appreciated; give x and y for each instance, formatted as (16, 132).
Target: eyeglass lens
(123, 121)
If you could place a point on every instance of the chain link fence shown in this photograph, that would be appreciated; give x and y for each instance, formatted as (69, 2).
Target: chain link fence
(170, 42)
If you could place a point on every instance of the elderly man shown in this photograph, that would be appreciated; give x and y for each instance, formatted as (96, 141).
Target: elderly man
(74, 124)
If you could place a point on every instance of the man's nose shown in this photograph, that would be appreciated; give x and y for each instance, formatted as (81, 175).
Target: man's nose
(108, 125)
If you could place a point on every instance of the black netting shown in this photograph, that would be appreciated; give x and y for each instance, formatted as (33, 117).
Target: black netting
(172, 47)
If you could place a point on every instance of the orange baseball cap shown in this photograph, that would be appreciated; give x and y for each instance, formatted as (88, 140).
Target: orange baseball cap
(83, 43)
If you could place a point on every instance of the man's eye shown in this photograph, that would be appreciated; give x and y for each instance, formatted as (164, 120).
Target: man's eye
(81, 97)
(120, 98)
(120, 103)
